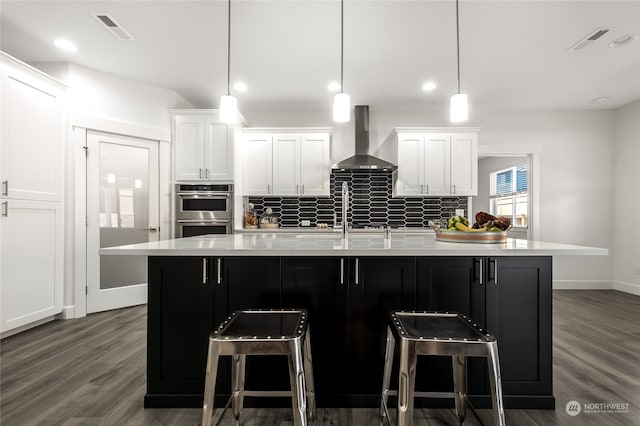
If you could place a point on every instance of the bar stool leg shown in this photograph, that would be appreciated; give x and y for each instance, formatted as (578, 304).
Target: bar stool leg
(308, 373)
(237, 380)
(386, 377)
(460, 385)
(407, 382)
(496, 384)
(298, 388)
(210, 383)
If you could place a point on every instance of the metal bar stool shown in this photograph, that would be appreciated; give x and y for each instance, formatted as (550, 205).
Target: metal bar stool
(261, 332)
(433, 333)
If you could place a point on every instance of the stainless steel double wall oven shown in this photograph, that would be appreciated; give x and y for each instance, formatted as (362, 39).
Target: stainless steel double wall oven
(203, 209)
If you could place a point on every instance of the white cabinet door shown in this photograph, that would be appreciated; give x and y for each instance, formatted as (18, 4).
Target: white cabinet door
(218, 150)
(464, 164)
(437, 166)
(314, 165)
(286, 165)
(32, 150)
(189, 143)
(258, 160)
(31, 261)
(410, 165)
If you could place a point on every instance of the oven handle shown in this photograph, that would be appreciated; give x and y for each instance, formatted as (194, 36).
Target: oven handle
(202, 221)
(203, 194)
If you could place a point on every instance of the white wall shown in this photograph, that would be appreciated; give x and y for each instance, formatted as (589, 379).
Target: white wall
(625, 215)
(104, 95)
(575, 150)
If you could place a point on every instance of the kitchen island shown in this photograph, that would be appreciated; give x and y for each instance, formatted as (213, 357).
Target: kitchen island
(348, 285)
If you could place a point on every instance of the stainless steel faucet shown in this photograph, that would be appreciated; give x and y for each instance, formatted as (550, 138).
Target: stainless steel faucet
(345, 208)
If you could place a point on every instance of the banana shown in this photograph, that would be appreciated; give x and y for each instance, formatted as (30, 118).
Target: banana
(465, 228)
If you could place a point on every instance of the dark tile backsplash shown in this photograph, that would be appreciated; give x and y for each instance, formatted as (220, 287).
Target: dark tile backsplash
(371, 204)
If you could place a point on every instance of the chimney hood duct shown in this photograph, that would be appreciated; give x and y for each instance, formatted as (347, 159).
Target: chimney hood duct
(363, 161)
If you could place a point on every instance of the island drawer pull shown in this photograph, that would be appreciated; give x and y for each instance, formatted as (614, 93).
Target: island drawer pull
(204, 270)
(357, 271)
(5, 209)
(5, 188)
(219, 280)
(342, 270)
(200, 174)
(495, 271)
(481, 271)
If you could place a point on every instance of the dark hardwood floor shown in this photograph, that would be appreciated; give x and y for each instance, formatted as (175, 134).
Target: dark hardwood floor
(91, 371)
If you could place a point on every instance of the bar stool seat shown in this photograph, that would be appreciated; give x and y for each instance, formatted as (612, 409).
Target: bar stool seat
(433, 333)
(262, 332)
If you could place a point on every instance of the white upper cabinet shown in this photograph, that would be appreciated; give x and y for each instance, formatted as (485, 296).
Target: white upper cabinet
(464, 163)
(286, 164)
(203, 147)
(314, 164)
(257, 164)
(437, 162)
(33, 133)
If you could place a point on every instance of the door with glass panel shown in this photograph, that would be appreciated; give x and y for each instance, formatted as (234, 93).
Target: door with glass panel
(122, 208)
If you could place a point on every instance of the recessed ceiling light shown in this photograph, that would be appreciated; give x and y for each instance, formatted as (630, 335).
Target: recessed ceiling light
(333, 86)
(65, 45)
(600, 99)
(429, 85)
(240, 87)
(624, 40)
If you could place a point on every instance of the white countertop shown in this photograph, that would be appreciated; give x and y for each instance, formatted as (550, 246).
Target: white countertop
(332, 244)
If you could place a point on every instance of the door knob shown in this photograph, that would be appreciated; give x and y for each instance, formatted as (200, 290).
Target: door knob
(152, 229)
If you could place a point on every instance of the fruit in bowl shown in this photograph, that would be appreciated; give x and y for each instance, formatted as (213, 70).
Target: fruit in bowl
(484, 222)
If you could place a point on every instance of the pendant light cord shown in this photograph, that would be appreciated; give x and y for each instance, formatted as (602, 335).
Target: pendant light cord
(341, 45)
(457, 43)
(229, 47)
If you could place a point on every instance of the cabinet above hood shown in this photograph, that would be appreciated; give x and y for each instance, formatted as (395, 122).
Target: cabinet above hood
(362, 160)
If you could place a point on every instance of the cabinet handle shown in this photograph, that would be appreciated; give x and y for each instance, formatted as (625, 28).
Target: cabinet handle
(268, 188)
(204, 270)
(206, 173)
(5, 209)
(454, 189)
(495, 271)
(297, 188)
(357, 271)
(342, 271)
(5, 188)
(421, 188)
(303, 188)
(200, 173)
(219, 280)
(427, 186)
(481, 271)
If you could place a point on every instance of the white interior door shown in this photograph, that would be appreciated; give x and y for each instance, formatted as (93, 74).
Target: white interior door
(122, 208)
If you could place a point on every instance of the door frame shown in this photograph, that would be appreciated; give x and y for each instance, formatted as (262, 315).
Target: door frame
(533, 153)
(75, 195)
(130, 295)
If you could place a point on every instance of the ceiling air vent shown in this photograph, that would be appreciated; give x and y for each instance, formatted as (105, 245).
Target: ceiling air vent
(113, 26)
(590, 38)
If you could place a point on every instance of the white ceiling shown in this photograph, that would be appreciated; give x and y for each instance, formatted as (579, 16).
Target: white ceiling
(513, 53)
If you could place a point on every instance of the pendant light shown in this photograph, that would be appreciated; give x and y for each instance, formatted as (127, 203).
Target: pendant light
(228, 103)
(341, 101)
(460, 101)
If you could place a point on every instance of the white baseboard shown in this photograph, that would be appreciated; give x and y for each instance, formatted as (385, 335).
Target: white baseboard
(68, 312)
(583, 285)
(632, 288)
(26, 327)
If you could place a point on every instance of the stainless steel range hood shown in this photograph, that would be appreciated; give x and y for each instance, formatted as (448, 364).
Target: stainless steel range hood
(363, 161)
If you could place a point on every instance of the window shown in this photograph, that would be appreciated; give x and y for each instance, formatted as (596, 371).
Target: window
(508, 194)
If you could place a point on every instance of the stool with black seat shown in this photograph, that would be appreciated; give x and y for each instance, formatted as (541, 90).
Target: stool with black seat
(262, 332)
(433, 333)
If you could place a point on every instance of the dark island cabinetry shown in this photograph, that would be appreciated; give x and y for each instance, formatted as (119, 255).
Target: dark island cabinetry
(348, 299)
